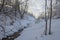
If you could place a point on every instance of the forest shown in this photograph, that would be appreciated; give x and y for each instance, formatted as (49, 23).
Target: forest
(29, 19)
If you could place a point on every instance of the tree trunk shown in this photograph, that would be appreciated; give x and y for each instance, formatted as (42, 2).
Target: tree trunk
(46, 17)
(2, 5)
(50, 18)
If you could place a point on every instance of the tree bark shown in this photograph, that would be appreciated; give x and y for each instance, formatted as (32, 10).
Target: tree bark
(2, 5)
(46, 17)
(50, 18)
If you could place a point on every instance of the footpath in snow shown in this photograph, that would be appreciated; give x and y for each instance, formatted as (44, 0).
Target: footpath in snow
(35, 31)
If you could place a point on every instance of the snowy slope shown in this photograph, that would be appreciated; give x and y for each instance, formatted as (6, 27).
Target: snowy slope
(16, 25)
(35, 32)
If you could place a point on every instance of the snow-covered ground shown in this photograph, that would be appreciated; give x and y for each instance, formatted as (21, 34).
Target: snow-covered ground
(36, 31)
(11, 25)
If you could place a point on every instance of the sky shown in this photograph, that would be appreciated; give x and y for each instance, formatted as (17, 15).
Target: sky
(36, 6)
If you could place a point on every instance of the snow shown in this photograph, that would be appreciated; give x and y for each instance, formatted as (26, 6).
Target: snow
(35, 32)
(5, 21)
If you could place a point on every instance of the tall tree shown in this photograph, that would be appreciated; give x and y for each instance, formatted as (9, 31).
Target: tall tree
(50, 18)
(46, 17)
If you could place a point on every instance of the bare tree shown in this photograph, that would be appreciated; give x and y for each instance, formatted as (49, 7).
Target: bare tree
(24, 7)
(46, 17)
(17, 8)
(2, 5)
(50, 18)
